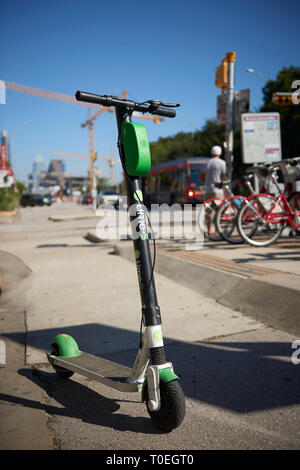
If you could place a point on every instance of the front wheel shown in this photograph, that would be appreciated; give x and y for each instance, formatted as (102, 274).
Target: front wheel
(261, 220)
(172, 409)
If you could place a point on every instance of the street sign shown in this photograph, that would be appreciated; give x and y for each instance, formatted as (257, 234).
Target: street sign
(260, 135)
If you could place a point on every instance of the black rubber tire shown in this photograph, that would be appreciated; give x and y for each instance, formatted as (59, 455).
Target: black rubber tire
(226, 235)
(260, 202)
(61, 372)
(172, 409)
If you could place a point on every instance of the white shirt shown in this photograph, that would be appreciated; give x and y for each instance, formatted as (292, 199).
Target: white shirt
(213, 174)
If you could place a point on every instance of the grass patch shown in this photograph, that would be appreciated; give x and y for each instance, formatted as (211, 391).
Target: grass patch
(9, 199)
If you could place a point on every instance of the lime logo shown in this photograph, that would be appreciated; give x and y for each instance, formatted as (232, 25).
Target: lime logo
(137, 254)
(138, 195)
(157, 336)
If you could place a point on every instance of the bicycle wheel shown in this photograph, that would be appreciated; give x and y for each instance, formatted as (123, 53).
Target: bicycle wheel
(206, 218)
(261, 220)
(294, 202)
(226, 220)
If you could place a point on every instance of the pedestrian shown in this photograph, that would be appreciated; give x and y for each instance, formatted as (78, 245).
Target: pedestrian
(215, 172)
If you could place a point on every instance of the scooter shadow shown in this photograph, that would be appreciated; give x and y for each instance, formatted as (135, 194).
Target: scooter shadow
(94, 409)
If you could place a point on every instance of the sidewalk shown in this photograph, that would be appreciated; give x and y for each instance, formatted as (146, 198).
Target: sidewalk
(237, 375)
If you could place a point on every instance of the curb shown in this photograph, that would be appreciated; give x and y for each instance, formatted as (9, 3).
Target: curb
(272, 299)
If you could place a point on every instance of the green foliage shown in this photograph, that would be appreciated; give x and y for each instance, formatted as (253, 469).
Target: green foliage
(187, 144)
(289, 115)
(21, 187)
(9, 199)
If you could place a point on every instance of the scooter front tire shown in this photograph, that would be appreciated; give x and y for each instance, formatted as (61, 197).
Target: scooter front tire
(172, 409)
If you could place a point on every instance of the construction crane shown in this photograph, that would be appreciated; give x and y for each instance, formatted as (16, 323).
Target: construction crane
(93, 154)
(51, 95)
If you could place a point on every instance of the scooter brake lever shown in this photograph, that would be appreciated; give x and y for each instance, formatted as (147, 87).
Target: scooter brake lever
(156, 103)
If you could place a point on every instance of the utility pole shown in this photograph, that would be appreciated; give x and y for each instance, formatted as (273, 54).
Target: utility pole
(225, 81)
(230, 58)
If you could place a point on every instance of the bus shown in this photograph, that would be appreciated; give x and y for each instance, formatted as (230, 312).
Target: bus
(176, 181)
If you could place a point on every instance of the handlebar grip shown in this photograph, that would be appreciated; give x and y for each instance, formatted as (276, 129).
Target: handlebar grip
(92, 98)
(165, 112)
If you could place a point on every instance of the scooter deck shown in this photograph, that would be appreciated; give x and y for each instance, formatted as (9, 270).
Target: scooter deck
(96, 368)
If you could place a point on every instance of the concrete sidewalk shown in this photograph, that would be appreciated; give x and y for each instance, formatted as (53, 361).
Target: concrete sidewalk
(240, 384)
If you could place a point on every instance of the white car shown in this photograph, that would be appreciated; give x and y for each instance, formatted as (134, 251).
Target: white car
(109, 197)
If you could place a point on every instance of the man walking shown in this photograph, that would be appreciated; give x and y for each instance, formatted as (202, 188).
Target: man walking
(215, 172)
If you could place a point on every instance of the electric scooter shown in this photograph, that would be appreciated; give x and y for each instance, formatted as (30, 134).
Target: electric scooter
(151, 373)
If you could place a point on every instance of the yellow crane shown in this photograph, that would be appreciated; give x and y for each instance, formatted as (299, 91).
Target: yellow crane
(93, 154)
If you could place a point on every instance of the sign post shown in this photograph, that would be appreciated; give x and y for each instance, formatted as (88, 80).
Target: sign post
(229, 124)
(225, 81)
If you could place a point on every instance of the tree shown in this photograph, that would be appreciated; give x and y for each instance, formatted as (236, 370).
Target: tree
(289, 115)
(188, 144)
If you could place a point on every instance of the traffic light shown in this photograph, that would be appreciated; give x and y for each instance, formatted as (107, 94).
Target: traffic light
(222, 75)
(283, 99)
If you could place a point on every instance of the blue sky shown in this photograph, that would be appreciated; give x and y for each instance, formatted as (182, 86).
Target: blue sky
(155, 49)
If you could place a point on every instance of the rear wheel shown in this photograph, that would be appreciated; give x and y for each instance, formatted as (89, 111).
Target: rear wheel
(261, 220)
(61, 372)
(172, 408)
(226, 220)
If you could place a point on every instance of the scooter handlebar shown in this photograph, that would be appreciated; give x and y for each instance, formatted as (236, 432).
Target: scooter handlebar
(106, 100)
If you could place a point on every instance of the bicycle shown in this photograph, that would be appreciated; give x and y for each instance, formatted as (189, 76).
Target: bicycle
(226, 215)
(227, 208)
(263, 217)
(227, 212)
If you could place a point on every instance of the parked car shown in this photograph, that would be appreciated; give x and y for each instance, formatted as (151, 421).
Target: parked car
(87, 199)
(35, 200)
(108, 196)
(48, 199)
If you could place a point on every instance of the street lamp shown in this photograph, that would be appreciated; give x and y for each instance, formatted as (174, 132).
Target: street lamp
(259, 74)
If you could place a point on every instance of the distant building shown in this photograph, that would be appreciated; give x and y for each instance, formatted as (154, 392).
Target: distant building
(55, 174)
(38, 168)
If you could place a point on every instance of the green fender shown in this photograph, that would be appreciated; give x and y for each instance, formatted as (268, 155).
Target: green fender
(67, 345)
(165, 375)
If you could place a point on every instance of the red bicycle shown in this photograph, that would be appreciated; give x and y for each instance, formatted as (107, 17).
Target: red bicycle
(263, 217)
(220, 214)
